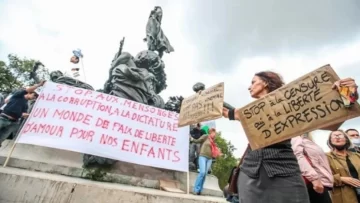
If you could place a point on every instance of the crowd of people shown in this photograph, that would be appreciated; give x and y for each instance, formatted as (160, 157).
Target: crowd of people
(292, 171)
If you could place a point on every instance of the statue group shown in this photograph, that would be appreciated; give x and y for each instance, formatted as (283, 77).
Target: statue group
(140, 78)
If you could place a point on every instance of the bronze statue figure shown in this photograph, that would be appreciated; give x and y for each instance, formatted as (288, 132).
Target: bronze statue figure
(155, 37)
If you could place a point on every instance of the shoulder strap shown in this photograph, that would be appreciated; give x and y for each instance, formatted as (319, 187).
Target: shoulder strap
(244, 154)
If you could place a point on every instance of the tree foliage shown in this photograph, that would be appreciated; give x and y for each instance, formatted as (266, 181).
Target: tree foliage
(15, 73)
(224, 164)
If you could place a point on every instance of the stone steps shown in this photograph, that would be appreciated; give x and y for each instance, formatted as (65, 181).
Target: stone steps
(24, 186)
(68, 163)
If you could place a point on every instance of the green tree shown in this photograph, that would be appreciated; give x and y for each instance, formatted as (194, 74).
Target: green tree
(224, 164)
(16, 73)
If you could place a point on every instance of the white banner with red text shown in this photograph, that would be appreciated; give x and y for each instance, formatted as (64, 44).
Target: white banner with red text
(90, 122)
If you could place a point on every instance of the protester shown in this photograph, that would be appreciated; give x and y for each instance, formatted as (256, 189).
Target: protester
(16, 108)
(208, 151)
(314, 167)
(355, 139)
(271, 174)
(195, 133)
(345, 166)
(75, 60)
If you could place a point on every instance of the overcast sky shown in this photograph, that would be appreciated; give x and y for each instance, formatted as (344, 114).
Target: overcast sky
(214, 41)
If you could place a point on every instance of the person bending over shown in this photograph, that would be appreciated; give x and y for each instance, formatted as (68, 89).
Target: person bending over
(16, 108)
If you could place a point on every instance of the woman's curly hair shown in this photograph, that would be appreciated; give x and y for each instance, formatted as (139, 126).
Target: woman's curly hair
(272, 79)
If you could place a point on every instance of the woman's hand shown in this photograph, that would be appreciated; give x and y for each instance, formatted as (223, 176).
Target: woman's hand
(318, 186)
(348, 82)
(225, 112)
(350, 181)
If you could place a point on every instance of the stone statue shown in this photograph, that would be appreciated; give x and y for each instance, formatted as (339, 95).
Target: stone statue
(58, 77)
(155, 37)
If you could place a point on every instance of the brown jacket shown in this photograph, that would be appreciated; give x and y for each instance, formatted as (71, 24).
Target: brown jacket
(342, 193)
(205, 149)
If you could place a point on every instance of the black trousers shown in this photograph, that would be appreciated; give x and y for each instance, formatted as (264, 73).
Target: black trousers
(318, 198)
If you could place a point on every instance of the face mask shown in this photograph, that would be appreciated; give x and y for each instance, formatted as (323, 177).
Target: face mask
(340, 148)
(356, 141)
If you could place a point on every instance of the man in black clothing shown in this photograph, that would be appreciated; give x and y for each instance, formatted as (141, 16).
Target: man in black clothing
(15, 109)
(195, 133)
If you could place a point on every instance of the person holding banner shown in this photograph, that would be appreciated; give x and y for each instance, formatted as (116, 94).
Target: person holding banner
(16, 108)
(208, 151)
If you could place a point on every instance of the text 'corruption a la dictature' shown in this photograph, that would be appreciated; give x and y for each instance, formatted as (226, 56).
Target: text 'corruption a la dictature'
(93, 100)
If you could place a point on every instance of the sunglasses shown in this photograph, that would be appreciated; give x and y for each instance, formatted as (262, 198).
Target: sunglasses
(338, 135)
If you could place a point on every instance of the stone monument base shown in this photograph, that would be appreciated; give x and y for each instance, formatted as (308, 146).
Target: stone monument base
(67, 163)
(19, 185)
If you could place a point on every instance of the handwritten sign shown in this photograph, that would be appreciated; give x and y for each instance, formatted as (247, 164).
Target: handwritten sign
(90, 122)
(304, 105)
(205, 106)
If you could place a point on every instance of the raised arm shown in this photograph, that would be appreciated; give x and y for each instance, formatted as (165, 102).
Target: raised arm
(34, 87)
(200, 140)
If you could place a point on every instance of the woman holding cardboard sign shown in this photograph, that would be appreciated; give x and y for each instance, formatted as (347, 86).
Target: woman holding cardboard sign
(270, 174)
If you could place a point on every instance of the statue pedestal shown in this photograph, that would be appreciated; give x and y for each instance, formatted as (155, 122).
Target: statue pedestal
(55, 161)
(18, 185)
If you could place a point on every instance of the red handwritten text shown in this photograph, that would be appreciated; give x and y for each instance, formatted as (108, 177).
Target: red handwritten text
(43, 129)
(82, 134)
(40, 112)
(72, 116)
(108, 140)
(149, 151)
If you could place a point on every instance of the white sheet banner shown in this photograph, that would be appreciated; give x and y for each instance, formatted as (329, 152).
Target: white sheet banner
(90, 122)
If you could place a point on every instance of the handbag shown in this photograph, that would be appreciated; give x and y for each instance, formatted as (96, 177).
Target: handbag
(235, 175)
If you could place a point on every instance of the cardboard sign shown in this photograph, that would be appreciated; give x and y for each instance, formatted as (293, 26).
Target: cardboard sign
(306, 104)
(90, 122)
(205, 106)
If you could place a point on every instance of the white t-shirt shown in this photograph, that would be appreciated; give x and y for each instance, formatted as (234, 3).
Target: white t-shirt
(77, 74)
